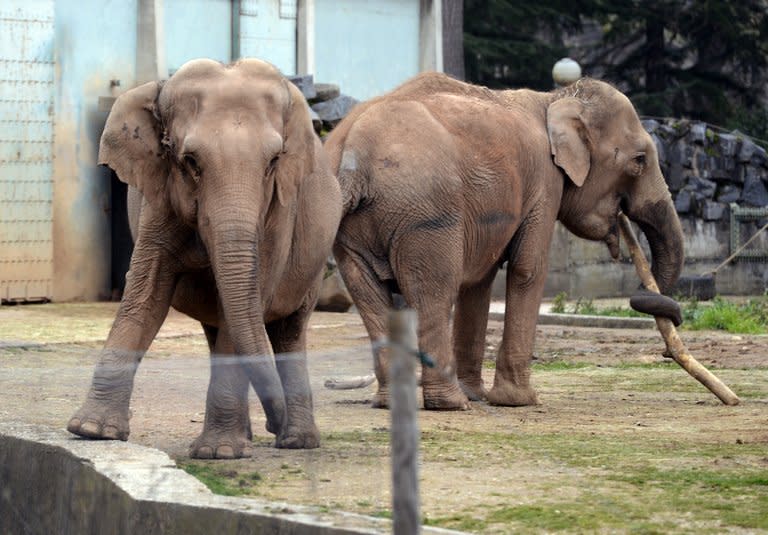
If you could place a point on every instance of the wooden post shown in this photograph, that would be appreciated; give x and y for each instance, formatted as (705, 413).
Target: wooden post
(675, 347)
(406, 515)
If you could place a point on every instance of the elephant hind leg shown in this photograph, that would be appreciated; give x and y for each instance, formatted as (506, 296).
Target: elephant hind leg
(469, 328)
(373, 299)
(432, 292)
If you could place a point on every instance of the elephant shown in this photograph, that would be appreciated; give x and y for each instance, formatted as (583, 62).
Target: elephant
(443, 182)
(238, 216)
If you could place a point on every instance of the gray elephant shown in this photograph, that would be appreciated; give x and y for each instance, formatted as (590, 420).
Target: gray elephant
(442, 182)
(239, 214)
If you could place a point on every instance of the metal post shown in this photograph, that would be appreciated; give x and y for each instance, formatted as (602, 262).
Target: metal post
(406, 515)
(235, 32)
(150, 42)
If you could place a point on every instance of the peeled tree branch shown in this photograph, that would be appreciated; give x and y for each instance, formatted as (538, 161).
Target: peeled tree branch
(675, 347)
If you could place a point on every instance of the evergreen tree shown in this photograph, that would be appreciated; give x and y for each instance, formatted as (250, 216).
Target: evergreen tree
(510, 43)
(703, 59)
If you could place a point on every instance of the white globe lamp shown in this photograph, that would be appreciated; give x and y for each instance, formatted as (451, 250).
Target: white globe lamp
(566, 71)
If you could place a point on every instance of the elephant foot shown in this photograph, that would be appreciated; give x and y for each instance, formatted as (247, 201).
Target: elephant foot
(445, 399)
(95, 420)
(380, 399)
(473, 389)
(297, 438)
(272, 427)
(512, 395)
(221, 445)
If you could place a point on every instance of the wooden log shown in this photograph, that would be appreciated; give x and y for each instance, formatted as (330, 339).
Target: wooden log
(675, 347)
(403, 407)
(349, 383)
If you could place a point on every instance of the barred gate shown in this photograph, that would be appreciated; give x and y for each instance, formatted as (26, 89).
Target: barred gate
(26, 150)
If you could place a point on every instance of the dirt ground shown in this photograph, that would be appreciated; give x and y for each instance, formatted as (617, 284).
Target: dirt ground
(614, 420)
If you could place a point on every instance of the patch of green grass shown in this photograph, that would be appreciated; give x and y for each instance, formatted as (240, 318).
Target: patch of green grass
(584, 306)
(460, 522)
(222, 479)
(596, 512)
(558, 303)
(637, 484)
(738, 318)
(557, 365)
(745, 318)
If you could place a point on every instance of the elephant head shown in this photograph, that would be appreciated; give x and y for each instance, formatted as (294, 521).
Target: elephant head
(597, 140)
(223, 148)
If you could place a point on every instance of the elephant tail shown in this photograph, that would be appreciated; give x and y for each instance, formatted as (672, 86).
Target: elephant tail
(354, 180)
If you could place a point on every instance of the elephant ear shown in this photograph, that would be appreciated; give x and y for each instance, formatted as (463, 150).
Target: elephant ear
(297, 159)
(568, 138)
(131, 142)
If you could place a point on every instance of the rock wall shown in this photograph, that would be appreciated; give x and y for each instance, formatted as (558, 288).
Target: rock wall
(707, 170)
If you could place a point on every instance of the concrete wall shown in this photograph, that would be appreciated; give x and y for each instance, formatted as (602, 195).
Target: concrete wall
(585, 269)
(51, 482)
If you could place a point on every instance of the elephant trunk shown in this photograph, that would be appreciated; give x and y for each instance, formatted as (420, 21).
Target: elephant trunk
(659, 222)
(233, 242)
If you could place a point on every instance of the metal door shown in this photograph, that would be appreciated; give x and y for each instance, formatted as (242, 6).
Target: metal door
(268, 32)
(26, 149)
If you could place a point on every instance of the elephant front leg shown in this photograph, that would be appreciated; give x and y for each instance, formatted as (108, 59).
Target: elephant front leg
(105, 412)
(526, 274)
(227, 428)
(150, 284)
(147, 297)
(288, 337)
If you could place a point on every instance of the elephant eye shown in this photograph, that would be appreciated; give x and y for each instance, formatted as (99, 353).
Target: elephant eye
(638, 164)
(192, 166)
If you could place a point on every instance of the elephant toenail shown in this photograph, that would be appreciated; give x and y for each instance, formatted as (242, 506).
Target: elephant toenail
(89, 429)
(206, 452)
(111, 432)
(225, 452)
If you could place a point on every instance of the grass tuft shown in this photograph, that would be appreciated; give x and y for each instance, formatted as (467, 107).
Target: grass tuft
(737, 318)
(223, 480)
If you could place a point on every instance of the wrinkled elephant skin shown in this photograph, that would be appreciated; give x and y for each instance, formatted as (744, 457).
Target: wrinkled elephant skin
(238, 217)
(442, 182)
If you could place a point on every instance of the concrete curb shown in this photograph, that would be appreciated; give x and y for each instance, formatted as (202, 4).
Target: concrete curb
(583, 320)
(52, 482)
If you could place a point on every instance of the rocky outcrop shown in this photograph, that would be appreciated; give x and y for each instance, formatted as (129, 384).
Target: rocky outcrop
(707, 170)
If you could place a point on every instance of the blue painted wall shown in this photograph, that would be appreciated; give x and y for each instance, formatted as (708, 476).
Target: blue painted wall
(366, 47)
(95, 42)
(197, 29)
(268, 32)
